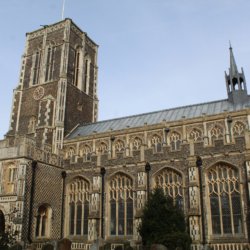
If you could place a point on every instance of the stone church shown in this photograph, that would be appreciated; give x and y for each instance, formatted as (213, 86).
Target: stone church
(63, 174)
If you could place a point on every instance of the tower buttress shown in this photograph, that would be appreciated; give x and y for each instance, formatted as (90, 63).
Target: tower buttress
(235, 82)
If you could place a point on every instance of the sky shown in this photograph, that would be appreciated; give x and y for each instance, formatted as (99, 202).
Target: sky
(153, 54)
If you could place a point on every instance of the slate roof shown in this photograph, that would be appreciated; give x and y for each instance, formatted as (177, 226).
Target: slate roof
(170, 115)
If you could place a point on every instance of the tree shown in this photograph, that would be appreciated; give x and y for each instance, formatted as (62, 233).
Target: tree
(163, 223)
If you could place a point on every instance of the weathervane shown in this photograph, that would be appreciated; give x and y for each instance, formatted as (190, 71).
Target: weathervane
(63, 9)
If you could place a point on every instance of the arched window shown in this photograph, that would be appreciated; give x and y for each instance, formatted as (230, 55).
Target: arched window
(195, 135)
(77, 69)
(225, 200)
(102, 148)
(78, 206)
(171, 182)
(119, 146)
(156, 143)
(87, 76)
(175, 141)
(49, 67)
(36, 67)
(216, 133)
(121, 205)
(85, 153)
(137, 142)
(43, 221)
(238, 129)
(70, 153)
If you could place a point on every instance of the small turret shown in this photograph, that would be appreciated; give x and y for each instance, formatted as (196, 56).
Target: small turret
(235, 82)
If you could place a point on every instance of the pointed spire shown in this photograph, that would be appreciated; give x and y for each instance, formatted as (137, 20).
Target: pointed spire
(233, 66)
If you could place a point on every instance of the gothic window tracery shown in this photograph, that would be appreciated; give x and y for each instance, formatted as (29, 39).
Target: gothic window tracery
(85, 152)
(238, 129)
(70, 152)
(43, 221)
(156, 143)
(121, 205)
(137, 142)
(175, 141)
(195, 135)
(225, 200)
(78, 198)
(119, 146)
(216, 133)
(172, 184)
(102, 148)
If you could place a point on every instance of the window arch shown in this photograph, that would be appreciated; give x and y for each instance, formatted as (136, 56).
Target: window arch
(77, 67)
(172, 184)
(102, 148)
(78, 206)
(119, 146)
(49, 66)
(85, 152)
(137, 142)
(216, 133)
(195, 135)
(43, 221)
(36, 67)
(225, 199)
(238, 128)
(121, 205)
(156, 143)
(175, 141)
(70, 153)
(87, 75)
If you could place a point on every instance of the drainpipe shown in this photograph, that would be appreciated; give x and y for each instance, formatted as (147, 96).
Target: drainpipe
(33, 177)
(63, 199)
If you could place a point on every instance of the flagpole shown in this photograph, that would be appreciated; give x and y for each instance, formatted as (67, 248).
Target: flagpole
(63, 9)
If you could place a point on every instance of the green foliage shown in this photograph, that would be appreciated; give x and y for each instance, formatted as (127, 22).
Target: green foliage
(163, 223)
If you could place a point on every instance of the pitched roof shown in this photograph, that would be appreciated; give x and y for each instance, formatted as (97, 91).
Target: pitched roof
(170, 115)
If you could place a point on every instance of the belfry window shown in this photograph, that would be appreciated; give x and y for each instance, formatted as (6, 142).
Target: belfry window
(77, 67)
(49, 64)
(87, 76)
(36, 67)
(171, 182)
(225, 200)
(78, 207)
(121, 205)
(43, 221)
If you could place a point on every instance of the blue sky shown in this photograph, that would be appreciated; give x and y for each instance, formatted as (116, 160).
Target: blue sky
(153, 54)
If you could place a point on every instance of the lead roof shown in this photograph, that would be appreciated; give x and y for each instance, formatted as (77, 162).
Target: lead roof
(152, 118)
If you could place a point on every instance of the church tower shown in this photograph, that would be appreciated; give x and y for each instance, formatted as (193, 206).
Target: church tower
(235, 82)
(58, 84)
